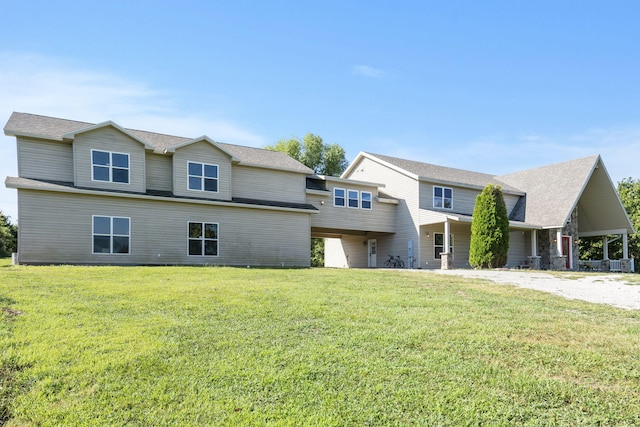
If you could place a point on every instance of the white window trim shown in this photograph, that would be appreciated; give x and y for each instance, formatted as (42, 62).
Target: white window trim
(202, 177)
(451, 244)
(370, 200)
(343, 197)
(202, 239)
(128, 168)
(443, 197)
(357, 199)
(93, 234)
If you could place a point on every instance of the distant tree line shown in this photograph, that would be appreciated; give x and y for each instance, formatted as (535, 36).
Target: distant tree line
(8, 236)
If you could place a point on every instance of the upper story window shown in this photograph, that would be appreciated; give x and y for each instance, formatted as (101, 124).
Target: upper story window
(339, 197)
(109, 166)
(111, 234)
(203, 177)
(442, 197)
(353, 198)
(365, 200)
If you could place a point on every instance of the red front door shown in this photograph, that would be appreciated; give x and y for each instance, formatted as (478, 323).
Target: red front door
(566, 250)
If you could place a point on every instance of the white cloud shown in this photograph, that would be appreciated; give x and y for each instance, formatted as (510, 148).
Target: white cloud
(367, 71)
(41, 85)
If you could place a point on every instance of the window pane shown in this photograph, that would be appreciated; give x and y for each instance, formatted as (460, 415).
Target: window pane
(100, 158)
(195, 183)
(195, 247)
(121, 226)
(211, 231)
(437, 191)
(195, 229)
(101, 225)
(100, 173)
(120, 160)
(120, 245)
(210, 171)
(195, 169)
(366, 200)
(366, 205)
(447, 203)
(338, 192)
(353, 199)
(438, 239)
(210, 185)
(438, 251)
(101, 244)
(211, 247)
(120, 175)
(448, 192)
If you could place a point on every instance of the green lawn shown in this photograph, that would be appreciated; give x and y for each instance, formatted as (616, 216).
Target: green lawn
(194, 346)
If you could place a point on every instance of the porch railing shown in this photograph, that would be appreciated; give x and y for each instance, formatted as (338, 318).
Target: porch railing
(600, 265)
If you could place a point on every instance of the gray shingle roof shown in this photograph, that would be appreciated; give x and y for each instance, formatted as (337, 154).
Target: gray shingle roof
(553, 190)
(445, 174)
(54, 128)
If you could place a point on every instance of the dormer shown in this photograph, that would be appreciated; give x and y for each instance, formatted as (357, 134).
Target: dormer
(202, 169)
(107, 156)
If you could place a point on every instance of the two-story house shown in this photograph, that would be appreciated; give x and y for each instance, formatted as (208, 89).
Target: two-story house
(102, 194)
(550, 208)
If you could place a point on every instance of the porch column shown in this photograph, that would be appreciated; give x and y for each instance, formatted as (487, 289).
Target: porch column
(559, 241)
(534, 243)
(446, 257)
(605, 247)
(625, 246)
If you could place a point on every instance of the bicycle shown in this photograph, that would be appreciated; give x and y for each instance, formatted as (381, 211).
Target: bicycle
(394, 262)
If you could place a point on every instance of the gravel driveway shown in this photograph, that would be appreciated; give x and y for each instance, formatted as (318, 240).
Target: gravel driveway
(601, 288)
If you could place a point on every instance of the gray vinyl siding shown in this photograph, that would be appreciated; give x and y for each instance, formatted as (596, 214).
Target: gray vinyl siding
(112, 140)
(57, 228)
(159, 172)
(380, 218)
(519, 247)
(406, 190)
(201, 152)
(348, 252)
(41, 159)
(268, 184)
(464, 199)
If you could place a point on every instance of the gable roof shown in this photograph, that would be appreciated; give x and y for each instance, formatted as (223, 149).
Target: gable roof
(435, 173)
(52, 128)
(71, 135)
(554, 191)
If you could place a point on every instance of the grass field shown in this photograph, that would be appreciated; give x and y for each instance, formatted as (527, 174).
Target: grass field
(159, 346)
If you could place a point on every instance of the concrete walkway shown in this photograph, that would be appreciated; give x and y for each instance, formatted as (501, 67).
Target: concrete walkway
(599, 288)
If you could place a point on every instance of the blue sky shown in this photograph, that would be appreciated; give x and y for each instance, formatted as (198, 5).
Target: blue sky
(491, 86)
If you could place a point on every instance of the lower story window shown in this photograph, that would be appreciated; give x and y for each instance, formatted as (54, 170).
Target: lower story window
(203, 238)
(438, 244)
(111, 234)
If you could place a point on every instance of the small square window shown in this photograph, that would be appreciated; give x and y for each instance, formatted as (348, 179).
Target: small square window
(365, 200)
(203, 239)
(353, 198)
(202, 177)
(109, 167)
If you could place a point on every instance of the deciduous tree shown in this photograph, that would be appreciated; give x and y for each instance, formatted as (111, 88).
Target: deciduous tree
(8, 236)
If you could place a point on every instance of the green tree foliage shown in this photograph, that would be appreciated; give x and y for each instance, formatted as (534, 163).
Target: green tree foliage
(489, 230)
(324, 159)
(8, 236)
(592, 248)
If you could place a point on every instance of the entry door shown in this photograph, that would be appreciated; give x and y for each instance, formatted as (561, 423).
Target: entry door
(566, 249)
(372, 247)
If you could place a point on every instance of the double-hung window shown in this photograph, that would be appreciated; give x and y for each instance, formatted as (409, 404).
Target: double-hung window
(353, 198)
(109, 166)
(203, 177)
(111, 234)
(442, 197)
(339, 197)
(365, 200)
(438, 244)
(203, 238)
